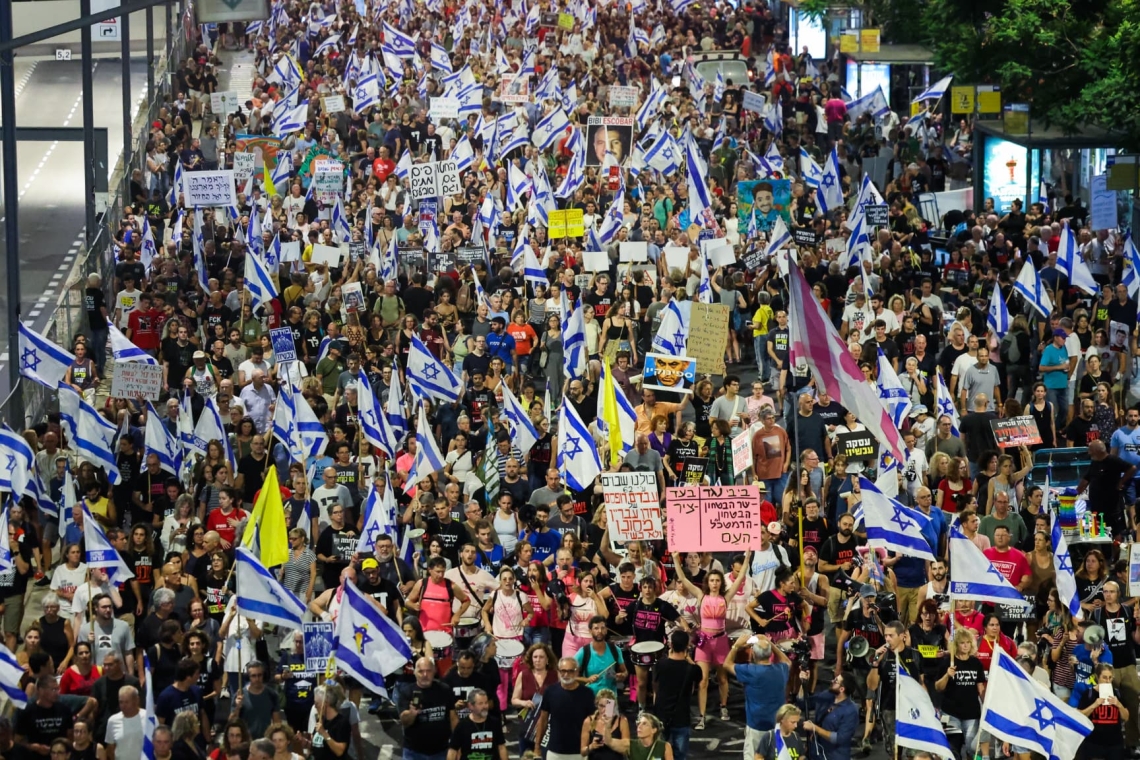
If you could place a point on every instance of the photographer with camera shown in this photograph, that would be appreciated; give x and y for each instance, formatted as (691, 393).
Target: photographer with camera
(887, 658)
(544, 540)
(764, 682)
(865, 621)
(838, 557)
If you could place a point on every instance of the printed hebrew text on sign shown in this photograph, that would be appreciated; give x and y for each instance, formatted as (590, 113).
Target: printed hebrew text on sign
(1016, 431)
(333, 103)
(708, 336)
(878, 214)
(742, 451)
(693, 470)
(557, 227)
(136, 380)
(860, 446)
(713, 518)
(210, 189)
(284, 347)
(754, 101)
(319, 646)
(633, 512)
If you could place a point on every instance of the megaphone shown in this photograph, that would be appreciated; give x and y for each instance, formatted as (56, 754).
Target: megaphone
(1094, 635)
(857, 648)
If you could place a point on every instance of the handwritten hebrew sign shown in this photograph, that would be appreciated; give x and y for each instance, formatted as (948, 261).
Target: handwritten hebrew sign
(633, 512)
(713, 518)
(136, 380)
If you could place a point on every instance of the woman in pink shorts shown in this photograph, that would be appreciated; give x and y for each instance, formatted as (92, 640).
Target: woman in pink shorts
(712, 642)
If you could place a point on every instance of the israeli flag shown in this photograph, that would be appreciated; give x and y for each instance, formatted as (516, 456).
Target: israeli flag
(291, 120)
(283, 171)
(782, 751)
(1070, 261)
(95, 440)
(1131, 278)
(574, 357)
(463, 154)
(401, 44)
(973, 576)
(5, 550)
(262, 596)
(1028, 284)
(329, 45)
(917, 724)
(772, 162)
(428, 460)
(810, 172)
(892, 526)
(673, 331)
(440, 58)
(874, 103)
(946, 404)
(41, 359)
(404, 165)
(149, 250)
(161, 443)
(704, 289)
(532, 269)
(868, 196)
(830, 194)
(1063, 564)
(211, 428)
(366, 93)
(891, 391)
(199, 247)
(125, 351)
(1021, 711)
(99, 551)
(550, 128)
(998, 317)
(314, 437)
(258, 281)
(615, 216)
(373, 422)
(176, 186)
(523, 433)
(935, 91)
(428, 376)
(369, 645)
(700, 197)
(578, 458)
(858, 243)
(718, 86)
(397, 416)
(664, 155)
(653, 102)
(285, 422)
(11, 672)
(378, 520)
(887, 480)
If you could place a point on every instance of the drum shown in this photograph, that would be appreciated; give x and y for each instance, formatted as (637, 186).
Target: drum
(507, 651)
(465, 630)
(647, 653)
(441, 644)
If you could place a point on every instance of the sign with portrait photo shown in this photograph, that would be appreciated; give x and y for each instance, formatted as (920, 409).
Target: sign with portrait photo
(772, 199)
(613, 134)
(669, 373)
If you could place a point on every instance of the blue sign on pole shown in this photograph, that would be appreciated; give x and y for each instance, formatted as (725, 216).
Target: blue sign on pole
(284, 349)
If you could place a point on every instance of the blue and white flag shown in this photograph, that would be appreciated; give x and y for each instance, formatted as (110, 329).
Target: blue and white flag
(653, 101)
(998, 317)
(810, 171)
(1070, 261)
(917, 724)
(378, 517)
(285, 422)
(523, 433)
(258, 280)
(1063, 564)
(18, 462)
(578, 458)
(440, 58)
(5, 550)
(291, 120)
(463, 154)
(532, 269)
(891, 391)
(149, 250)
(327, 46)
(261, 596)
(404, 165)
(946, 405)
(700, 196)
(973, 576)
(830, 194)
(314, 437)
(41, 359)
(1028, 284)
(1021, 711)
(160, 442)
(574, 357)
(373, 421)
(663, 154)
(199, 251)
(428, 460)
(934, 91)
(397, 414)
(211, 427)
(887, 479)
(704, 288)
(869, 195)
(858, 244)
(782, 751)
(550, 128)
(95, 440)
(874, 103)
(428, 377)
(99, 551)
(892, 526)
(401, 44)
(172, 198)
(369, 645)
(11, 672)
(673, 332)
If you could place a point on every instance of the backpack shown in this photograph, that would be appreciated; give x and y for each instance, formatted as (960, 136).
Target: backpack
(1008, 349)
(589, 649)
(518, 598)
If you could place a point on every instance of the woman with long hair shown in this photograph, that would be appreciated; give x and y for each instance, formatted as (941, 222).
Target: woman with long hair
(299, 573)
(585, 604)
(534, 677)
(1090, 581)
(537, 630)
(963, 686)
(199, 647)
(987, 468)
(931, 639)
(185, 731)
(176, 526)
(606, 721)
(711, 637)
(234, 734)
(197, 555)
(1042, 576)
(720, 454)
(218, 586)
(957, 481)
(1065, 639)
(993, 639)
(145, 561)
(1041, 410)
(795, 496)
(80, 678)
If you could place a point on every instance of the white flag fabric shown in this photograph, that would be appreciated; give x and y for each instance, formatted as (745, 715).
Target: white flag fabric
(5, 550)
(10, 674)
(973, 576)
(100, 552)
(1070, 261)
(428, 459)
(18, 462)
(830, 194)
(1063, 565)
(998, 317)
(673, 332)
(369, 646)
(261, 596)
(125, 351)
(96, 439)
(892, 526)
(1028, 284)
(1021, 711)
(258, 281)
(373, 422)
(41, 359)
(891, 391)
(917, 725)
(160, 442)
(377, 513)
(523, 433)
(210, 427)
(428, 377)
(574, 357)
(578, 458)
(946, 405)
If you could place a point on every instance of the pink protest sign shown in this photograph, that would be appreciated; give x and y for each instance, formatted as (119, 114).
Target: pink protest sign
(713, 518)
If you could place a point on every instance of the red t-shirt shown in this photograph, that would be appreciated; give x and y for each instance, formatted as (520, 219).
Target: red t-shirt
(1011, 563)
(225, 525)
(145, 327)
(524, 336)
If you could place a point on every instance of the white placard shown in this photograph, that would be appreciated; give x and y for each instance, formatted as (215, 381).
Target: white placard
(421, 179)
(635, 252)
(676, 257)
(1102, 205)
(333, 103)
(290, 251)
(210, 189)
(444, 108)
(1134, 569)
(633, 512)
(447, 178)
(595, 261)
(328, 181)
(722, 255)
(327, 254)
(753, 101)
(244, 164)
(136, 380)
(224, 103)
(623, 97)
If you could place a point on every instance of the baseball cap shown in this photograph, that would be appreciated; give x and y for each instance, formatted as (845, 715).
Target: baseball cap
(370, 564)
(199, 354)
(917, 410)
(774, 528)
(1059, 333)
(867, 590)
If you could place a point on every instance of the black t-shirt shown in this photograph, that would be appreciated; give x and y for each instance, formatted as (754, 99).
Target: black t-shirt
(1118, 629)
(428, 735)
(1106, 721)
(928, 644)
(384, 592)
(568, 711)
(975, 428)
(451, 535)
(673, 693)
(43, 725)
(94, 302)
(835, 553)
(254, 471)
(622, 601)
(911, 663)
(960, 698)
(340, 731)
(649, 619)
(1082, 432)
(12, 581)
(478, 741)
(336, 543)
(858, 624)
(461, 688)
(1104, 479)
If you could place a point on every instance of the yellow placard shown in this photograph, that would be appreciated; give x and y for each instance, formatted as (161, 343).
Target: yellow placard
(557, 227)
(869, 40)
(566, 21)
(917, 107)
(962, 99)
(849, 42)
(1121, 176)
(575, 223)
(928, 650)
(989, 99)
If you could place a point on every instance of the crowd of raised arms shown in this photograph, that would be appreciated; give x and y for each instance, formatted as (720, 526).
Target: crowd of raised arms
(475, 360)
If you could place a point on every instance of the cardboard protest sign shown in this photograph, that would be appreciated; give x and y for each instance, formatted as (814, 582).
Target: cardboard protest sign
(713, 518)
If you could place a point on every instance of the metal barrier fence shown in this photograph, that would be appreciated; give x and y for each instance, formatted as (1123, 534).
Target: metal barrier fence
(69, 318)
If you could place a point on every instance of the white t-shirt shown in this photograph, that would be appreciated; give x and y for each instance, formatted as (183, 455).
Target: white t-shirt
(126, 302)
(961, 364)
(857, 317)
(65, 578)
(915, 471)
(888, 317)
(126, 734)
(765, 563)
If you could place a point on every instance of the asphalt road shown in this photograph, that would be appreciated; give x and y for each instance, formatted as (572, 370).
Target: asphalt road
(50, 179)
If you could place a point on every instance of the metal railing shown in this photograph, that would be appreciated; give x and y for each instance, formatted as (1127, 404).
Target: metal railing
(69, 318)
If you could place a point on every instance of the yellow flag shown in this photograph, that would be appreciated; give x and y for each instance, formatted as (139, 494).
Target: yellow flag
(270, 188)
(266, 527)
(610, 413)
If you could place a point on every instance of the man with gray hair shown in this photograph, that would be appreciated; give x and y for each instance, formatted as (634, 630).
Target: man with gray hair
(162, 603)
(261, 749)
(124, 737)
(256, 704)
(764, 682)
(565, 707)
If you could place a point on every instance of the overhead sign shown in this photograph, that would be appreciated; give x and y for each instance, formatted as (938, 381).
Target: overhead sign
(136, 380)
(713, 518)
(224, 103)
(209, 189)
(433, 180)
(108, 29)
(224, 11)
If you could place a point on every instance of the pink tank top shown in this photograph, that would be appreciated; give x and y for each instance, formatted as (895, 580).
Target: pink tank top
(714, 609)
(435, 607)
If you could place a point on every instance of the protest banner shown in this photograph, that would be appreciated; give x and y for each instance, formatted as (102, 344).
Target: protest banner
(224, 103)
(632, 252)
(575, 222)
(318, 646)
(664, 372)
(633, 512)
(136, 380)
(284, 347)
(333, 103)
(209, 189)
(328, 181)
(878, 214)
(1012, 432)
(623, 97)
(860, 446)
(442, 261)
(326, 254)
(444, 108)
(713, 518)
(804, 236)
(708, 336)
(290, 251)
(693, 470)
(742, 451)
(1016, 613)
(753, 101)
(244, 167)
(608, 134)
(566, 21)
(514, 89)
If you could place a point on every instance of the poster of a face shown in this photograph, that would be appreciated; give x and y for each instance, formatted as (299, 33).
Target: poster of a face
(669, 373)
(613, 134)
(772, 199)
